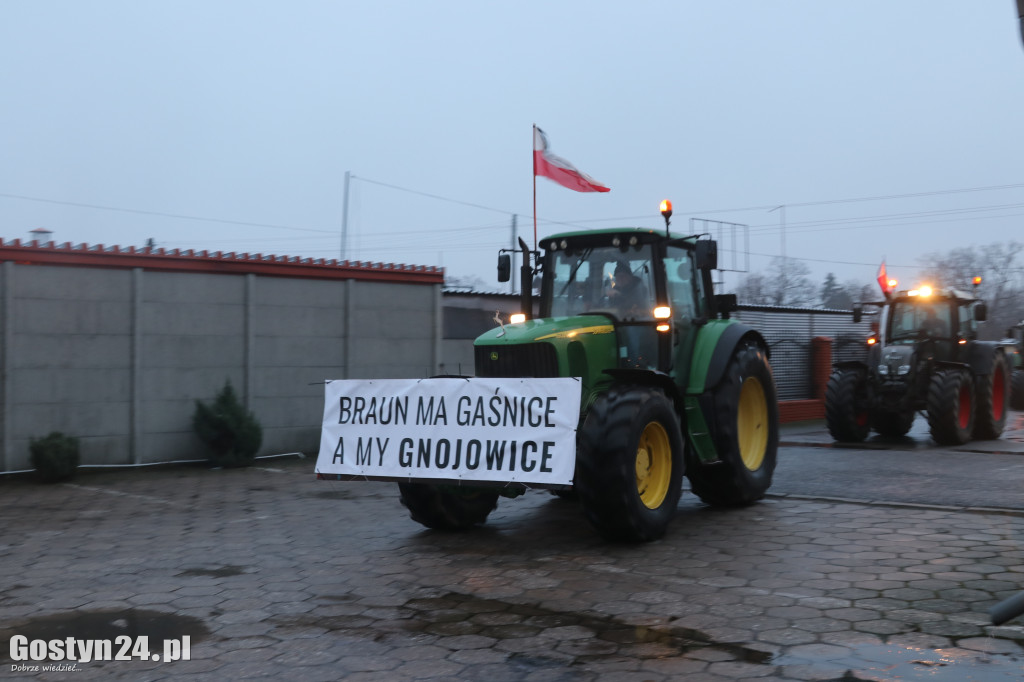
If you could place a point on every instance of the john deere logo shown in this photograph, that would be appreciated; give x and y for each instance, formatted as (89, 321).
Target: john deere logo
(494, 356)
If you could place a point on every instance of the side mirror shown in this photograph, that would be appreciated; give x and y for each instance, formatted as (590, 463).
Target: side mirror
(980, 312)
(707, 254)
(858, 314)
(504, 267)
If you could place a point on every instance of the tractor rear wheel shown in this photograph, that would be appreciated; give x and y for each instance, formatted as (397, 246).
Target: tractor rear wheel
(444, 507)
(951, 406)
(629, 467)
(992, 395)
(746, 433)
(892, 424)
(1017, 389)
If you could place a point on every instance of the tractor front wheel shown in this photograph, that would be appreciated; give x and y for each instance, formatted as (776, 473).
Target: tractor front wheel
(992, 394)
(445, 507)
(846, 412)
(1017, 389)
(629, 467)
(746, 433)
(951, 406)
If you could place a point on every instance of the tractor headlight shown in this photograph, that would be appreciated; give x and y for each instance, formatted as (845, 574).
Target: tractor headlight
(883, 370)
(903, 370)
(516, 318)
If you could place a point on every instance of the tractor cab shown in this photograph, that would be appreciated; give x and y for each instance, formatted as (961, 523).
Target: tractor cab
(647, 286)
(945, 319)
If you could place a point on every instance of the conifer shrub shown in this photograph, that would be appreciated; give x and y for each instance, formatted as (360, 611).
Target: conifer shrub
(54, 456)
(232, 433)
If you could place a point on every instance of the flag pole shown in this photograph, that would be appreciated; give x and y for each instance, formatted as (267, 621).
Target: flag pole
(533, 144)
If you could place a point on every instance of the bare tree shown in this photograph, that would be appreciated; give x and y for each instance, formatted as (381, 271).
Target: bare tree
(1002, 285)
(789, 283)
(753, 289)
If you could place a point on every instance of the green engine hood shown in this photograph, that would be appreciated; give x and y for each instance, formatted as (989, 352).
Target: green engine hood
(582, 346)
(551, 329)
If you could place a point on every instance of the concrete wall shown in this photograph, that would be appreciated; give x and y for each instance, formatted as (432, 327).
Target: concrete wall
(467, 315)
(118, 356)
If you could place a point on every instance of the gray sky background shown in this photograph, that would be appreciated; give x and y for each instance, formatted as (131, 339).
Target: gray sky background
(229, 125)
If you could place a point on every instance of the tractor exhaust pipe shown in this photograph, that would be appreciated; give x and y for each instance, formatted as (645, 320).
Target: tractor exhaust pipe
(526, 281)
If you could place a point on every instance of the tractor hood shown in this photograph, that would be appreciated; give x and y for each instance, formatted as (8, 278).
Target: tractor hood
(547, 329)
(897, 361)
(582, 346)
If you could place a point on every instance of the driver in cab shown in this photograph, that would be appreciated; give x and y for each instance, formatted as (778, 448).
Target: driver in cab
(628, 295)
(932, 326)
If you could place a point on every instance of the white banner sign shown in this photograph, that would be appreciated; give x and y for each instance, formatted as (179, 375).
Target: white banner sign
(477, 429)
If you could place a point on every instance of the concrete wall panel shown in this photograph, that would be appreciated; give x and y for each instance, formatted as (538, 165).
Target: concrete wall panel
(72, 385)
(311, 293)
(191, 318)
(64, 283)
(192, 351)
(71, 316)
(118, 356)
(70, 350)
(178, 287)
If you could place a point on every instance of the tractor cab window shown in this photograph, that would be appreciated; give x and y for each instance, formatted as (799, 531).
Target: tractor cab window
(968, 325)
(912, 319)
(682, 283)
(603, 279)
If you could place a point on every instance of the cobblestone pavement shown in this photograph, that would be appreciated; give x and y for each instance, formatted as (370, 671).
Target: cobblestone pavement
(274, 574)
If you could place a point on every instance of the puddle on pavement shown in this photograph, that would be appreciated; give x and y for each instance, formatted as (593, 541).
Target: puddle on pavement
(335, 494)
(577, 638)
(581, 638)
(108, 625)
(219, 572)
(889, 662)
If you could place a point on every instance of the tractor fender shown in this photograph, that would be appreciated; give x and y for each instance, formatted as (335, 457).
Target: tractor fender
(981, 356)
(850, 364)
(715, 345)
(644, 377)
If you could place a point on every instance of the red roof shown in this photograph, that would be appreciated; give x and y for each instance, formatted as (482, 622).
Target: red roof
(187, 260)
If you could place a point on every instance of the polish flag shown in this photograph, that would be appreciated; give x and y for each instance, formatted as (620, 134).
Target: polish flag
(558, 169)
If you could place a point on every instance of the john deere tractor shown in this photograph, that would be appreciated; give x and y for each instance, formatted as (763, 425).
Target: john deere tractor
(924, 356)
(670, 384)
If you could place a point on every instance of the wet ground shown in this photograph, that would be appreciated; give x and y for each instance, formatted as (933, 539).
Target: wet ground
(273, 574)
(814, 434)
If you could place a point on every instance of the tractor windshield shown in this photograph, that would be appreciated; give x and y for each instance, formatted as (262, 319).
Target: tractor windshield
(913, 319)
(601, 279)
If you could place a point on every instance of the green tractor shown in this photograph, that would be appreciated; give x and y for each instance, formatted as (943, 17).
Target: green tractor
(670, 385)
(924, 356)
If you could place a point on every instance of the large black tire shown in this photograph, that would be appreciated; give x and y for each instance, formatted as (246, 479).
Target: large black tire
(992, 400)
(629, 466)
(846, 410)
(951, 406)
(445, 507)
(746, 433)
(1017, 389)
(892, 424)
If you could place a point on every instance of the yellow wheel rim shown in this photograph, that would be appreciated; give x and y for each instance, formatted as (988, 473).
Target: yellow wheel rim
(653, 465)
(752, 423)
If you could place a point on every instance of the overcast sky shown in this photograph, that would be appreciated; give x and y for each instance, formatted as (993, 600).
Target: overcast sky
(230, 125)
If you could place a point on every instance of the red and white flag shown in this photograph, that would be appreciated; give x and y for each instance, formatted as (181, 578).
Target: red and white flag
(558, 169)
(884, 282)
